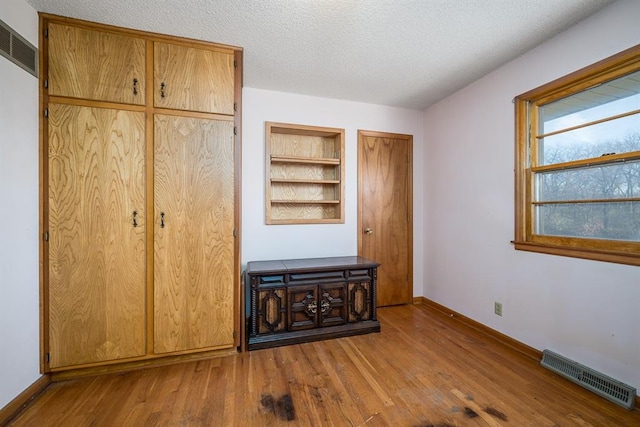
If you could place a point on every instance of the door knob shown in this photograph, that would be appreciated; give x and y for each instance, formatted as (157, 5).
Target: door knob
(368, 230)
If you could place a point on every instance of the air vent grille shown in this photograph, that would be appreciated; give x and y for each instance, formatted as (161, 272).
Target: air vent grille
(18, 50)
(607, 387)
(5, 39)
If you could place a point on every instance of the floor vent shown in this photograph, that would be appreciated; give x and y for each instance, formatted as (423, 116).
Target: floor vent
(601, 384)
(17, 50)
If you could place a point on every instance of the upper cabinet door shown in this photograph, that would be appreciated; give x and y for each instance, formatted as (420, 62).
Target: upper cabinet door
(96, 65)
(193, 79)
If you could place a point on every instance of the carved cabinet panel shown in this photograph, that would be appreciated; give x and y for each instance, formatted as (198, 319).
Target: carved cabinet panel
(313, 306)
(294, 301)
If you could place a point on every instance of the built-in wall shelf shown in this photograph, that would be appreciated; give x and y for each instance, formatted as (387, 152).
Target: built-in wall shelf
(305, 169)
(305, 160)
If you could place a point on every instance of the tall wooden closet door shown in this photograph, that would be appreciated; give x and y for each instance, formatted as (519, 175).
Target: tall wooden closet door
(194, 243)
(96, 263)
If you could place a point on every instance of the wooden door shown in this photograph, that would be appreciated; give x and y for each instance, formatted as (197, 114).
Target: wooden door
(385, 212)
(96, 65)
(303, 307)
(332, 304)
(194, 227)
(96, 253)
(194, 79)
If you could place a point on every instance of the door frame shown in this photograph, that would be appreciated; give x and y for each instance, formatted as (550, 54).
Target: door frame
(409, 138)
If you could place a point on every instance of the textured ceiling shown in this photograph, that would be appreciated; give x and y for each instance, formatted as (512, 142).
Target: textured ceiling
(405, 53)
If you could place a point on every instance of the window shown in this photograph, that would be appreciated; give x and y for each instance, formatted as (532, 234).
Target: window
(578, 163)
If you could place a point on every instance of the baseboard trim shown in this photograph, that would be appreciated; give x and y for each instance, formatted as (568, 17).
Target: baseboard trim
(23, 399)
(506, 340)
(153, 362)
(492, 333)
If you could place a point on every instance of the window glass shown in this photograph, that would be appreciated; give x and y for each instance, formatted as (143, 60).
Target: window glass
(611, 137)
(611, 181)
(615, 221)
(578, 163)
(605, 100)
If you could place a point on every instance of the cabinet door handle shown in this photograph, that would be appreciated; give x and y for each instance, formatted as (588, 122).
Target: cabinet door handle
(135, 86)
(162, 88)
(134, 215)
(325, 305)
(161, 219)
(312, 307)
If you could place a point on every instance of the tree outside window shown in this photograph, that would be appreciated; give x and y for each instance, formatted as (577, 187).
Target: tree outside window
(578, 163)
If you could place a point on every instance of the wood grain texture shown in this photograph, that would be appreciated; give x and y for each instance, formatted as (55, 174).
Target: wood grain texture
(422, 369)
(23, 399)
(304, 166)
(289, 213)
(468, 322)
(95, 65)
(194, 253)
(96, 256)
(312, 146)
(194, 79)
(384, 196)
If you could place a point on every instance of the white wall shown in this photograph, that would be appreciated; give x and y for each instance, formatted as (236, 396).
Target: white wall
(261, 241)
(19, 342)
(463, 215)
(585, 310)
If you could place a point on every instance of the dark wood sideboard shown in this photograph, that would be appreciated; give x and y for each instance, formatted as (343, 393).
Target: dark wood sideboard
(300, 300)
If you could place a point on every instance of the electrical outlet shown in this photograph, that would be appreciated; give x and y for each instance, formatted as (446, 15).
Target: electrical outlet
(497, 308)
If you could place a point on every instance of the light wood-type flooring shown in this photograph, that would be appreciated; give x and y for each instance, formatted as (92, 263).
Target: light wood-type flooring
(423, 369)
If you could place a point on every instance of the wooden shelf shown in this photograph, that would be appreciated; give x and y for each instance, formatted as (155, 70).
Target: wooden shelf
(305, 202)
(305, 160)
(304, 181)
(305, 169)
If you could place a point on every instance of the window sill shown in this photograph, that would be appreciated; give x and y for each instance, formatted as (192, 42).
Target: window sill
(591, 254)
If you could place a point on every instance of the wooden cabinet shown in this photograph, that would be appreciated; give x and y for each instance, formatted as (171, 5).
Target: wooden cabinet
(140, 196)
(194, 243)
(95, 65)
(96, 228)
(305, 169)
(293, 301)
(317, 306)
(183, 81)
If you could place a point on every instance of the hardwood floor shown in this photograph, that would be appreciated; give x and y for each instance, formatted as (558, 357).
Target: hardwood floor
(423, 369)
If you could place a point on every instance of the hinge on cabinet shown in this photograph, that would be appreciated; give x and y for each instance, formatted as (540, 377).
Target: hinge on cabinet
(46, 33)
(235, 130)
(46, 236)
(235, 232)
(235, 64)
(235, 106)
(46, 112)
(46, 84)
(235, 334)
(47, 358)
